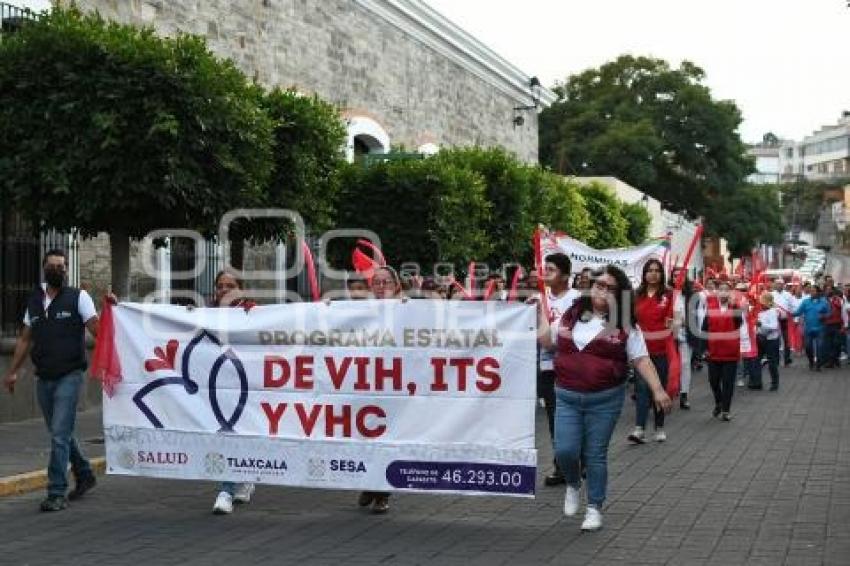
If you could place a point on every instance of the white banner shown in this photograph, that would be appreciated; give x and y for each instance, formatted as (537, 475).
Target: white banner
(630, 260)
(379, 395)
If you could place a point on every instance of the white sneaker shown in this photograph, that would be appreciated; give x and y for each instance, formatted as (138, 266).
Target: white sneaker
(740, 383)
(592, 519)
(660, 435)
(638, 436)
(243, 493)
(223, 504)
(572, 499)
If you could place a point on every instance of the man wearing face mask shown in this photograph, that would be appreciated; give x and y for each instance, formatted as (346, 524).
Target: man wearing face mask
(55, 324)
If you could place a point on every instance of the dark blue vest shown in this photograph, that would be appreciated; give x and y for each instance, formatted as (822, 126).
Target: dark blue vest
(58, 334)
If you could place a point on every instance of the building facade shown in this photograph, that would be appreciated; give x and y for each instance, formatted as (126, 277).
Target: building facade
(402, 75)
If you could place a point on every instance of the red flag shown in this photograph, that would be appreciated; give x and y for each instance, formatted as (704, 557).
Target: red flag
(674, 367)
(379, 255)
(105, 364)
(311, 272)
(491, 287)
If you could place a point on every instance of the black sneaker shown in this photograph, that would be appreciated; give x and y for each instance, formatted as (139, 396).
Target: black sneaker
(555, 478)
(84, 485)
(683, 401)
(716, 412)
(53, 503)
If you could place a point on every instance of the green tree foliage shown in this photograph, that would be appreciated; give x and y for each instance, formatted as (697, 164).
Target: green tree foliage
(308, 156)
(560, 206)
(638, 220)
(610, 226)
(425, 211)
(510, 189)
(750, 216)
(654, 127)
(106, 127)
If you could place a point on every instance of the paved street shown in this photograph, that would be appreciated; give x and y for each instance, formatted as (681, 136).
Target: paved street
(771, 487)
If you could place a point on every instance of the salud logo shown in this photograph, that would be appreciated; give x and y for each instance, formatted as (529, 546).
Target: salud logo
(164, 362)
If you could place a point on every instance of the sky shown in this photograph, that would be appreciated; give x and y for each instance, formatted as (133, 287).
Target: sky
(784, 62)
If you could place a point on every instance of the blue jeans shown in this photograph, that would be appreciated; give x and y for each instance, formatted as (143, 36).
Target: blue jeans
(58, 401)
(644, 396)
(815, 347)
(584, 423)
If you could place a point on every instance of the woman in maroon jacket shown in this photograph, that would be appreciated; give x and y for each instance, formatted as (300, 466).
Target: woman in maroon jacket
(722, 325)
(595, 342)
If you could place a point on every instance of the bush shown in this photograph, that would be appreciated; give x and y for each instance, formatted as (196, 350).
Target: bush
(425, 211)
(605, 212)
(638, 220)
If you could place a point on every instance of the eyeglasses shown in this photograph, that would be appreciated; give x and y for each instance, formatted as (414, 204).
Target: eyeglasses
(653, 270)
(382, 282)
(603, 286)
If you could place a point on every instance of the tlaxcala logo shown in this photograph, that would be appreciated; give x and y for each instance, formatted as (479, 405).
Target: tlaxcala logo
(164, 362)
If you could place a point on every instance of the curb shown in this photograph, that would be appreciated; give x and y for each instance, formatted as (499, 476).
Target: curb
(32, 481)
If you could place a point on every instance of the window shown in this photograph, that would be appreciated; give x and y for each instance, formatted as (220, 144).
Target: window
(365, 136)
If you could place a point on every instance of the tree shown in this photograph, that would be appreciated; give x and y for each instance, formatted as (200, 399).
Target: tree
(751, 216)
(308, 157)
(654, 127)
(638, 220)
(560, 206)
(109, 128)
(605, 211)
(424, 211)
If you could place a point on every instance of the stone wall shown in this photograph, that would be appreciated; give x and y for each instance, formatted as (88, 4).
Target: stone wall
(351, 57)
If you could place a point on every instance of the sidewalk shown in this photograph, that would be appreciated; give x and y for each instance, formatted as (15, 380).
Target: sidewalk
(26, 448)
(772, 487)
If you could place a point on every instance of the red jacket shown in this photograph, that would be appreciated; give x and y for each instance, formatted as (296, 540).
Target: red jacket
(724, 331)
(601, 365)
(834, 316)
(652, 315)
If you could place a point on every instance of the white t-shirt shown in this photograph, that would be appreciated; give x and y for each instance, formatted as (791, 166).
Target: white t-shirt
(585, 332)
(557, 307)
(784, 300)
(769, 319)
(85, 306)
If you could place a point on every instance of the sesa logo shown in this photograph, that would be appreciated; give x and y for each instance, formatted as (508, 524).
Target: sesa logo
(164, 364)
(316, 468)
(348, 466)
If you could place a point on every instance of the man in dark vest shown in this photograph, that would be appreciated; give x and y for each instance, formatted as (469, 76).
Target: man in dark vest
(55, 324)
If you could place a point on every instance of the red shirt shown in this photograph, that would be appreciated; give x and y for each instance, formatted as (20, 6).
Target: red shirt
(724, 335)
(652, 314)
(834, 316)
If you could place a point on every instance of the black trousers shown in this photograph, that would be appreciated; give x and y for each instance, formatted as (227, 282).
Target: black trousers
(786, 344)
(721, 377)
(546, 391)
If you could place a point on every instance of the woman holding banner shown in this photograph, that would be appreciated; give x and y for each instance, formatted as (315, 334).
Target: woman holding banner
(385, 284)
(654, 312)
(594, 342)
(229, 294)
